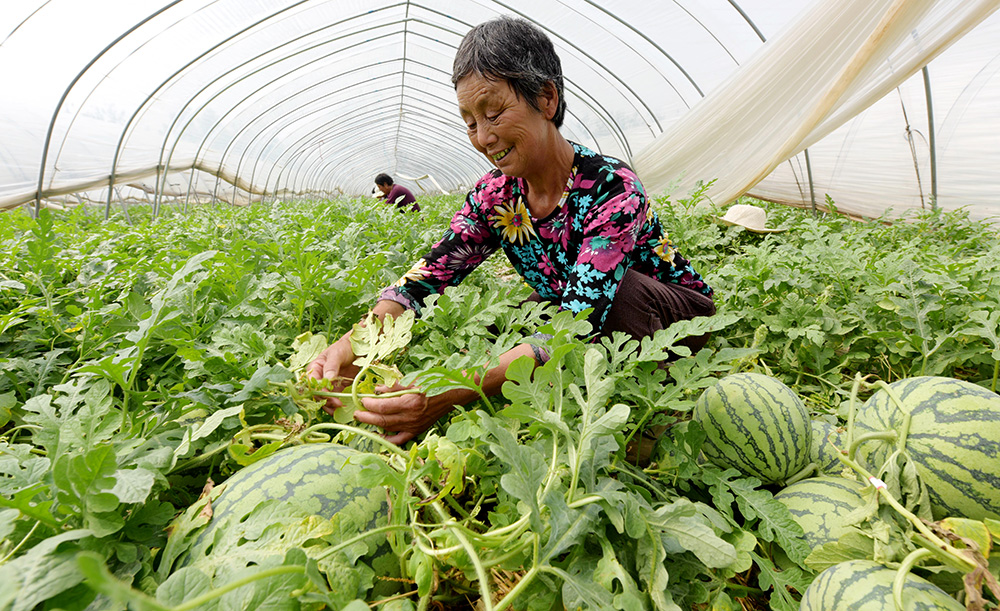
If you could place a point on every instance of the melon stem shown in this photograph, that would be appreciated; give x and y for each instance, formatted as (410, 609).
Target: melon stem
(804, 473)
(889, 436)
(904, 569)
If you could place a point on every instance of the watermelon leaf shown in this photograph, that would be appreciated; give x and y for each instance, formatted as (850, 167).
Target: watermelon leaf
(781, 582)
(101, 580)
(850, 546)
(775, 522)
(683, 528)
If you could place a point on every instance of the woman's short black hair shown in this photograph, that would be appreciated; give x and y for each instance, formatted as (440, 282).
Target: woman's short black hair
(383, 179)
(516, 51)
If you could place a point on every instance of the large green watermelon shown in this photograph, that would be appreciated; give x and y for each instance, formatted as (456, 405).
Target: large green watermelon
(953, 439)
(821, 506)
(863, 585)
(756, 424)
(821, 453)
(298, 493)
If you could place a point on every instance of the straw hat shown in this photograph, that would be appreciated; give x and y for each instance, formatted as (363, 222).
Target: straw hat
(751, 218)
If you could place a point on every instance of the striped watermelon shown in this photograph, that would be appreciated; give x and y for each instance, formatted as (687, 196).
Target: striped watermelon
(863, 585)
(954, 441)
(311, 478)
(756, 424)
(821, 505)
(821, 453)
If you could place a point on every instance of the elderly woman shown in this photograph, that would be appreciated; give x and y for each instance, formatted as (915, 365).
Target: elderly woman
(575, 224)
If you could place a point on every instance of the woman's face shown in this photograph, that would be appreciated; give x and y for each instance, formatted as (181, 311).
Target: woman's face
(502, 126)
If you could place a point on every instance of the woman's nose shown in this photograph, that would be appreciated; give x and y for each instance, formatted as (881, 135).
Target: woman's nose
(485, 136)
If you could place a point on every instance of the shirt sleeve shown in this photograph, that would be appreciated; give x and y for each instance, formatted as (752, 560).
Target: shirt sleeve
(610, 230)
(466, 244)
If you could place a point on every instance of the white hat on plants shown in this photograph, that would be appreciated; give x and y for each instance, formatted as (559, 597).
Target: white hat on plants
(751, 218)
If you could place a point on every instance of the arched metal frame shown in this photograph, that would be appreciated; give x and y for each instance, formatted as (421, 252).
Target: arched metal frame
(69, 88)
(615, 129)
(599, 110)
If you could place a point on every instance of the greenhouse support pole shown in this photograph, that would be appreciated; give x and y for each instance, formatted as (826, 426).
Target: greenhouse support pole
(932, 140)
(62, 100)
(121, 200)
(812, 189)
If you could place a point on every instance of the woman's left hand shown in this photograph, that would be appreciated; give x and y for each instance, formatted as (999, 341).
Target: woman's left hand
(405, 415)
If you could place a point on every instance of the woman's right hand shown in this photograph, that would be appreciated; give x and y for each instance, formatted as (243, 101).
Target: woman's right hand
(335, 363)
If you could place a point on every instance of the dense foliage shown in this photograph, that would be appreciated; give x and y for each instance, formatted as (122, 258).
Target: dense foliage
(140, 361)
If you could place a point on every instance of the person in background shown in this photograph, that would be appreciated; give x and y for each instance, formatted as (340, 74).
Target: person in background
(396, 194)
(574, 223)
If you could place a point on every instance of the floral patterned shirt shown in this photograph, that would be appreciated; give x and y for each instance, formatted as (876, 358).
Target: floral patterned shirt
(576, 256)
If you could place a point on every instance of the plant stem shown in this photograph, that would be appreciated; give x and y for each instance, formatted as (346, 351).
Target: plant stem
(884, 435)
(804, 473)
(361, 537)
(526, 580)
(919, 524)
(904, 569)
(353, 429)
(18, 546)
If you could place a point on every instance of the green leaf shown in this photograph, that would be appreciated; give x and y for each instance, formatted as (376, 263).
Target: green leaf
(261, 380)
(525, 468)
(184, 584)
(580, 591)
(84, 482)
(567, 527)
(7, 402)
(43, 572)
(781, 582)
(609, 571)
(851, 546)
(7, 519)
(133, 485)
(988, 329)
(743, 542)
(683, 528)
(41, 511)
(101, 580)
(775, 522)
(247, 455)
(649, 563)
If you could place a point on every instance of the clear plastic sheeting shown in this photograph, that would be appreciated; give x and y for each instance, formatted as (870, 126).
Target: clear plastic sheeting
(826, 69)
(188, 102)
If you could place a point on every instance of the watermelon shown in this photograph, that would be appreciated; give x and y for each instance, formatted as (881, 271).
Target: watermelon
(821, 506)
(312, 488)
(863, 585)
(755, 424)
(953, 440)
(821, 453)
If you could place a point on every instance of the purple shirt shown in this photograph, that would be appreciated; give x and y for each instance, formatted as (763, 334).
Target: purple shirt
(402, 197)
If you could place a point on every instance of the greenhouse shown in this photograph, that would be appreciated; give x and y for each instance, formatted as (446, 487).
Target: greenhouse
(741, 351)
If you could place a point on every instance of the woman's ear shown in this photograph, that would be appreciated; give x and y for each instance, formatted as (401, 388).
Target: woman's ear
(548, 100)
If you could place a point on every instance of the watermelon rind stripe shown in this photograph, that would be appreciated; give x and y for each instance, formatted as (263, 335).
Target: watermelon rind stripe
(821, 505)
(863, 585)
(954, 441)
(756, 424)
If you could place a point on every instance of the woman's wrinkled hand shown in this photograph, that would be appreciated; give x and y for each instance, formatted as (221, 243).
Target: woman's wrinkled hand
(335, 363)
(404, 416)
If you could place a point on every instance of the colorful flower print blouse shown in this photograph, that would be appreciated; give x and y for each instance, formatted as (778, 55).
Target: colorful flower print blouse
(576, 256)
